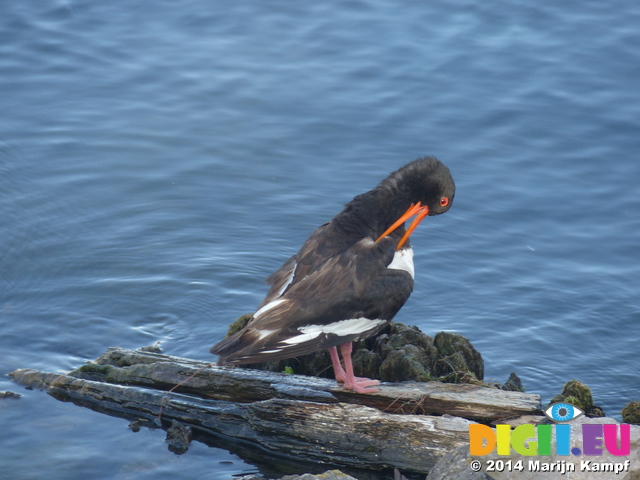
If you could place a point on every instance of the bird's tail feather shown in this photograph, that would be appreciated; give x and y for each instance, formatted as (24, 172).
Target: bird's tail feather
(226, 346)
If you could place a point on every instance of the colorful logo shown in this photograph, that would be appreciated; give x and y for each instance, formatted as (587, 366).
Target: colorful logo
(530, 440)
(562, 412)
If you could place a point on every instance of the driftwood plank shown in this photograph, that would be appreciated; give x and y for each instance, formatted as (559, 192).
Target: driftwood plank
(474, 402)
(337, 433)
(312, 418)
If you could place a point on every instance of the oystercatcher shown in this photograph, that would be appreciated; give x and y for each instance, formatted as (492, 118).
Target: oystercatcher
(349, 279)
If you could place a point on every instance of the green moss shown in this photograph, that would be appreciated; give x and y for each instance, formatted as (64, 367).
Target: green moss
(101, 373)
(459, 377)
(457, 356)
(239, 324)
(405, 363)
(631, 413)
(578, 394)
(93, 371)
(366, 363)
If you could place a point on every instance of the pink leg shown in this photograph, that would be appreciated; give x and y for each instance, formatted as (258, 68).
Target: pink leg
(350, 380)
(341, 376)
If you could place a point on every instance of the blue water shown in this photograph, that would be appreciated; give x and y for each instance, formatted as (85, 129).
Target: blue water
(159, 159)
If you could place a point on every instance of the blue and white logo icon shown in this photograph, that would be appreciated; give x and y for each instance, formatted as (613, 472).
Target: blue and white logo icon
(563, 412)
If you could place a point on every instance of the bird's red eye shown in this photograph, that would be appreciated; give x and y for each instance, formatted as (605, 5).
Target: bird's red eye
(444, 201)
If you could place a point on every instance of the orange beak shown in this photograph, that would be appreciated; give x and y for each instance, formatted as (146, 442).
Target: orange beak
(417, 210)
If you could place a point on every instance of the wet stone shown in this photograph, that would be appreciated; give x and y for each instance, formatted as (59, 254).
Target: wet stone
(631, 413)
(403, 364)
(7, 394)
(457, 355)
(513, 384)
(153, 348)
(328, 475)
(578, 394)
(179, 437)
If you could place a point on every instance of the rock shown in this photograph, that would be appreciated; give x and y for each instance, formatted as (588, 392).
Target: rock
(135, 426)
(455, 465)
(514, 422)
(8, 394)
(513, 384)
(317, 364)
(179, 437)
(578, 394)
(457, 356)
(406, 353)
(631, 413)
(403, 364)
(365, 363)
(328, 475)
(397, 335)
(154, 348)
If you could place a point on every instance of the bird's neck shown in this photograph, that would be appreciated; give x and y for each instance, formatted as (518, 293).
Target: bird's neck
(371, 213)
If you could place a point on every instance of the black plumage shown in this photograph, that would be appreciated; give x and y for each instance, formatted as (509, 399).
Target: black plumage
(350, 277)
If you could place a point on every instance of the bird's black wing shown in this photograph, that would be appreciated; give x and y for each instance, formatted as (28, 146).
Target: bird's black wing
(319, 248)
(347, 297)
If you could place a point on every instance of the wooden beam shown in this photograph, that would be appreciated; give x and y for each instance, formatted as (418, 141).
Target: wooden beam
(474, 402)
(407, 426)
(340, 434)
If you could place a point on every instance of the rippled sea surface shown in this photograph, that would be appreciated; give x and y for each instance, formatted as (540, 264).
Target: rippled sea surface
(159, 159)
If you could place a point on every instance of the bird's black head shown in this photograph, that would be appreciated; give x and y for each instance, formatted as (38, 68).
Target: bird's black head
(426, 180)
(422, 187)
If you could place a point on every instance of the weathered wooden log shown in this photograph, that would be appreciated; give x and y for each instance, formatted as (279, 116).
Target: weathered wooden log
(313, 418)
(337, 433)
(474, 402)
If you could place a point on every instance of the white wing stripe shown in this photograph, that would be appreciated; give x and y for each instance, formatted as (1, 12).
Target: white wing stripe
(263, 333)
(352, 326)
(268, 306)
(289, 280)
(305, 337)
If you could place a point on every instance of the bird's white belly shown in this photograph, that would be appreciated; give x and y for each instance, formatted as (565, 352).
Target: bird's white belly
(403, 260)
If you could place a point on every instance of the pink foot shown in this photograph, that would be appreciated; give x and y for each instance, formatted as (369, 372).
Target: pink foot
(346, 376)
(362, 385)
